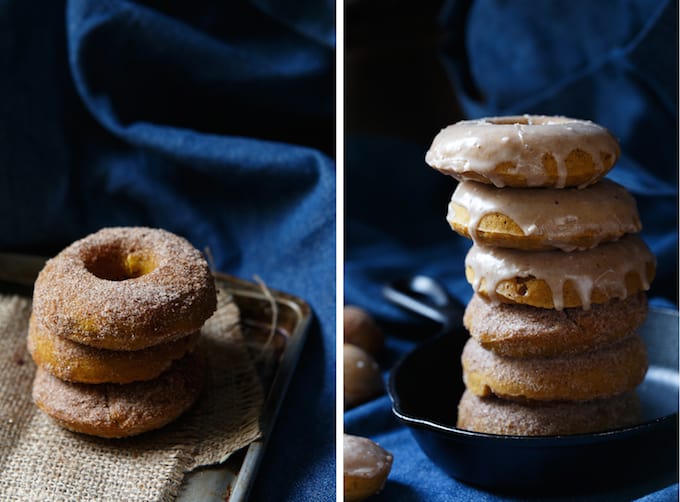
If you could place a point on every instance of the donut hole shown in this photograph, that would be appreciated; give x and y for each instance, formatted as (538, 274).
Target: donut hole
(523, 120)
(117, 264)
(527, 120)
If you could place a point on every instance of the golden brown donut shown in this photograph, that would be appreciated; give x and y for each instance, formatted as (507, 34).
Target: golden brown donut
(114, 410)
(75, 362)
(366, 466)
(360, 329)
(608, 371)
(498, 416)
(543, 218)
(555, 279)
(514, 330)
(525, 151)
(362, 379)
(125, 288)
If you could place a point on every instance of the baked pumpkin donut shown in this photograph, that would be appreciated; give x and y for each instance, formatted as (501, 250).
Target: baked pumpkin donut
(125, 288)
(366, 466)
(608, 371)
(555, 279)
(116, 411)
(525, 151)
(498, 416)
(543, 218)
(514, 330)
(75, 362)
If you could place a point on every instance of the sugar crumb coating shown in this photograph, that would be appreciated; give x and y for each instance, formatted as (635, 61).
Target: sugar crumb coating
(125, 288)
(515, 330)
(75, 362)
(498, 416)
(115, 410)
(608, 371)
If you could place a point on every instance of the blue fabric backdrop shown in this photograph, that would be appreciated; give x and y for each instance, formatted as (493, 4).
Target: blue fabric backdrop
(213, 120)
(613, 62)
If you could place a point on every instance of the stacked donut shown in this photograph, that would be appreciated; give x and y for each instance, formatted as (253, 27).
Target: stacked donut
(115, 319)
(558, 272)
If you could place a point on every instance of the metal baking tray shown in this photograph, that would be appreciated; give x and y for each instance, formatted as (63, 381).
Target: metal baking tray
(232, 479)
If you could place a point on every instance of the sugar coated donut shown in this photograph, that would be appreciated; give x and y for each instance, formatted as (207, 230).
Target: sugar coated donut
(514, 330)
(543, 218)
(115, 411)
(497, 416)
(75, 362)
(525, 151)
(125, 288)
(610, 370)
(555, 279)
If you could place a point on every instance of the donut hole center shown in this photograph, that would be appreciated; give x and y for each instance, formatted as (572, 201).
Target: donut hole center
(510, 121)
(530, 120)
(116, 264)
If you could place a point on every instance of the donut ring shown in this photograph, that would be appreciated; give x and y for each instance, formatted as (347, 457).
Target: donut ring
(543, 218)
(606, 372)
(513, 330)
(497, 416)
(525, 151)
(555, 279)
(125, 288)
(74, 362)
(116, 411)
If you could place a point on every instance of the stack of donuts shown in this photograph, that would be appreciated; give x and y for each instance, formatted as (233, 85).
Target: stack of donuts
(116, 317)
(558, 272)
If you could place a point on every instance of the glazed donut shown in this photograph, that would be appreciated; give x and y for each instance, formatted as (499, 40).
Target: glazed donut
(497, 416)
(366, 466)
(610, 370)
(525, 151)
(75, 362)
(555, 279)
(125, 288)
(514, 330)
(116, 411)
(543, 218)
(362, 378)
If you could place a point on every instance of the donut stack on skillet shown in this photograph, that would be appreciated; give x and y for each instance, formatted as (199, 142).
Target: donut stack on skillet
(558, 271)
(116, 318)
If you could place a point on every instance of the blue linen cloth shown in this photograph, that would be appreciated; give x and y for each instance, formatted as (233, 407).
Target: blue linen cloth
(213, 120)
(613, 62)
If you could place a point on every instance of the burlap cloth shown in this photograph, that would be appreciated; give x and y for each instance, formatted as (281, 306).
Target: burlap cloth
(41, 461)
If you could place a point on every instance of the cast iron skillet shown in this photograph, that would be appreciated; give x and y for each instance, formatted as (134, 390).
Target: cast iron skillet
(426, 385)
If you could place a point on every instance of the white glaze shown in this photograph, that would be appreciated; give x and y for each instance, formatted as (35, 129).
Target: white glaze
(480, 145)
(603, 209)
(604, 267)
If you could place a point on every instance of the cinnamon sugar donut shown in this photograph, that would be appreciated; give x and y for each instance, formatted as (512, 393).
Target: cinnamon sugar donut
(125, 288)
(555, 279)
(514, 330)
(115, 411)
(497, 416)
(75, 362)
(610, 370)
(543, 218)
(525, 151)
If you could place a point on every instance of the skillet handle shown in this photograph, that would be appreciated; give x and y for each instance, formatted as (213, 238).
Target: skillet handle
(427, 297)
